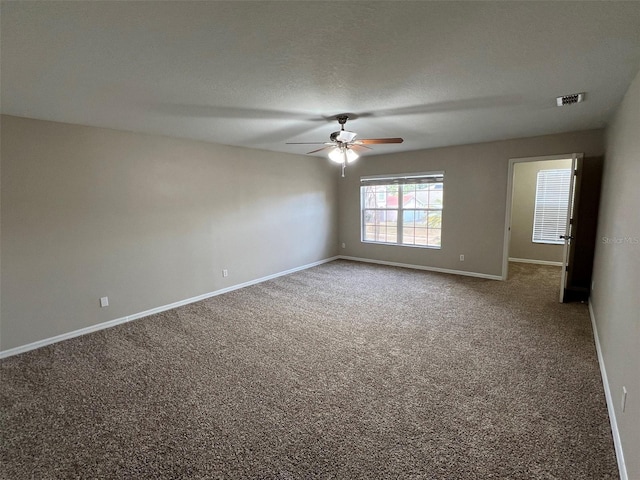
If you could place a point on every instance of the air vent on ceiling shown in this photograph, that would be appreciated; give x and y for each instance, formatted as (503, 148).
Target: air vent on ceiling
(570, 99)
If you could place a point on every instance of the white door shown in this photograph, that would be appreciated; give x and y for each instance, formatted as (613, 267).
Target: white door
(567, 237)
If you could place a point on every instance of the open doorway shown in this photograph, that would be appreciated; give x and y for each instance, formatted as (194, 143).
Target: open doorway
(539, 209)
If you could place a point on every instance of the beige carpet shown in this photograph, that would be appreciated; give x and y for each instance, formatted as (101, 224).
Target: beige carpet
(343, 371)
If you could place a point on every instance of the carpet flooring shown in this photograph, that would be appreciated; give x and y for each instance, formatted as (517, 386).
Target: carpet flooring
(342, 371)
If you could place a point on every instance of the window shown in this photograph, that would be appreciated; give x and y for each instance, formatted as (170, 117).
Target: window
(552, 202)
(402, 210)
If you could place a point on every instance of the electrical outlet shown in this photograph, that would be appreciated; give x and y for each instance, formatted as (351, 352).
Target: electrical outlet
(623, 402)
(225, 273)
(462, 258)
(344, 245)
(104, 301)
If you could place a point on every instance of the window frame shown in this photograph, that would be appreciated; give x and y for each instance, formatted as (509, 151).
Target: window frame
(397, 179)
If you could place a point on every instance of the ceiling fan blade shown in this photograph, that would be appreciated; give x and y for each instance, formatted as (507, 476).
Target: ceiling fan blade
(352, 145)
(318, 150)
(376, 141)
(308, 143)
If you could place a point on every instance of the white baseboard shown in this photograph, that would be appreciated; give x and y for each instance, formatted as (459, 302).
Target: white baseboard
(537, 262)
(607, 393)
(112, 323)
(420, 267)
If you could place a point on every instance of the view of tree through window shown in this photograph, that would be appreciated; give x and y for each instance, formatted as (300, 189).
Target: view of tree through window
(404, 211)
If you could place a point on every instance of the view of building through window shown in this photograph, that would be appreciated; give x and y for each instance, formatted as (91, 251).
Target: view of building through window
(404, 211)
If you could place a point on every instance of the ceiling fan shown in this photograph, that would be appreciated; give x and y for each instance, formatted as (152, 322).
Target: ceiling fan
(343, 144)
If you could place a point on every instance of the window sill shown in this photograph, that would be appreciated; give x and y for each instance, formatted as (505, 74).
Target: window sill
(540, 242)
(429, 247)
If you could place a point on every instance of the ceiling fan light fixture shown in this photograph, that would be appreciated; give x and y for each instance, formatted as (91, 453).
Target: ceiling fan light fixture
(351, 155)
(336, 155)
(343, 155)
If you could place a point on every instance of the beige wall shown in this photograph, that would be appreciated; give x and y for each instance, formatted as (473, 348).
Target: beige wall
(525, 179)
(0, 233)
(615, 298)
(145, 220)
(475, 192)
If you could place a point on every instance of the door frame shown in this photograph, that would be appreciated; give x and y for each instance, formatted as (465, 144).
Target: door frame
(507, 216)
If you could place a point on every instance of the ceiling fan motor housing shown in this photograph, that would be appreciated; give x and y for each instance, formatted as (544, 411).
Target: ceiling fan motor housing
(343, 136)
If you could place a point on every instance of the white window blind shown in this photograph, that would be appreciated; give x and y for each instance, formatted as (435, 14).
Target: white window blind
(552, 202)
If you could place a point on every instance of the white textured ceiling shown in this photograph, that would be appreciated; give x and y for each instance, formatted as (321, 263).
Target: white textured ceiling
(259, 74)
